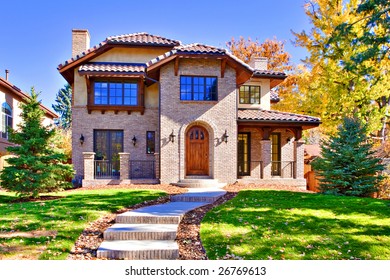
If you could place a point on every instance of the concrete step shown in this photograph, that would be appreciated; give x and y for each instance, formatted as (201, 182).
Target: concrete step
(139, 250)
(207, 195)
(141, 232)
(168, 213)
(200, 183)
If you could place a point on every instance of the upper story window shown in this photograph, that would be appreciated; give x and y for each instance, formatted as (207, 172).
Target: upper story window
(198, 88)
(6, 117)
(116, 93)
(250, 95)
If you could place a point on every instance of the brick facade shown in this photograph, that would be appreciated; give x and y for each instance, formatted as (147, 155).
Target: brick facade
(214, 116)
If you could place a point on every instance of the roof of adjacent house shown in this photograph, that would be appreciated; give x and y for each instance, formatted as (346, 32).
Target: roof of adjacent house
(23, 96)
(274, 97)
(264, 116)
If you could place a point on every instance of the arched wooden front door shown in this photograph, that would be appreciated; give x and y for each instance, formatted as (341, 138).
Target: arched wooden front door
(197, 151)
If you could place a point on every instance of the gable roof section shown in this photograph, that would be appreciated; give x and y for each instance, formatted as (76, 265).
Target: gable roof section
(129, 40)
(273, 117)
(23, 96)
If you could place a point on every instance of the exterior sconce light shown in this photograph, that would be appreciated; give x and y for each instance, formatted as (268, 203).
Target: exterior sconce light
(81, 139)
(225, 136)
(134, 140)
(172, 137)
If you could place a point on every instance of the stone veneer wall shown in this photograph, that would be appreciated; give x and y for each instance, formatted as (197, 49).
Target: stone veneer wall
(215, 116)
(133, 124)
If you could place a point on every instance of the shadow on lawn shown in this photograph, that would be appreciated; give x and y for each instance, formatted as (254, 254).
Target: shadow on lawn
(288, 225)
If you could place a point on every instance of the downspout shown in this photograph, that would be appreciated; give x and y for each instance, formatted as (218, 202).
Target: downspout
(159, 120)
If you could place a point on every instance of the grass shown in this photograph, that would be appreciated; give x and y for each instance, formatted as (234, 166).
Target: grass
(279, 225)
(68, 216)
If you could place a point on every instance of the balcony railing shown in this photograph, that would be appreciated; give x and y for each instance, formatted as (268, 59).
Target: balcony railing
(142, 169)
(104, 169)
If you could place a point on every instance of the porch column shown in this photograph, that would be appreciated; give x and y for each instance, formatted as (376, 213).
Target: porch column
(157, 165)
(299, 159)
(266, 158)
(89, 165)
(124, 165)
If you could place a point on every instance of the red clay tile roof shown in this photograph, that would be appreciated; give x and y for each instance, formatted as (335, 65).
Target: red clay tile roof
(143, 39)
(199, 49)
(261, 115)
(135, 39)
(113, 67)
(269, 74)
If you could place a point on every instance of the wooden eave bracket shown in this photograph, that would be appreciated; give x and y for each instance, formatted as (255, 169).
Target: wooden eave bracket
(223, 67)
(176, 66)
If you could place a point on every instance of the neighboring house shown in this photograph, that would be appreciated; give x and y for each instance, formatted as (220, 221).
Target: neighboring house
(10, 98)
(148, 107)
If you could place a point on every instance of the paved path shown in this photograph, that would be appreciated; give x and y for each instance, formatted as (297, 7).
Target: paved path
(150, 232)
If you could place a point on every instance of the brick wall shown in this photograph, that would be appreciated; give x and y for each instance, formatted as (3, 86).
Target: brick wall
(216, 117)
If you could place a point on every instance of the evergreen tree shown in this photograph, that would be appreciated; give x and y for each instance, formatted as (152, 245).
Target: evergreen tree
(63, 106)
(347, 165)
(37, 167)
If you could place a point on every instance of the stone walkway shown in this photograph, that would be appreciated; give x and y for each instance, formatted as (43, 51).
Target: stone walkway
(150, 232)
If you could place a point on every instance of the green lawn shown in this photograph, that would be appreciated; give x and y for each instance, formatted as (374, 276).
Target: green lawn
(68, 216)
(263, 224)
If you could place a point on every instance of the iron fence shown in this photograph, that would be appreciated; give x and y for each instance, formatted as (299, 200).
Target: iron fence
(284, 169)
(104, 169)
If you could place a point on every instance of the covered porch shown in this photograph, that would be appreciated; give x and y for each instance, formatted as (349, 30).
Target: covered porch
(271, 148)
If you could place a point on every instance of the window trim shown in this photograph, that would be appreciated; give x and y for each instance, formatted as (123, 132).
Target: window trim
(192, 89)
(250, 87)
(154, 142)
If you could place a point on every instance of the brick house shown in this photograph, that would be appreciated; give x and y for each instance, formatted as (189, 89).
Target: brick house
(10, 98)
(150, 109)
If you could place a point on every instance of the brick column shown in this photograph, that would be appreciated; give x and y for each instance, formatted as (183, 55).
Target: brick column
(89, 165)
(299, 159)
(266, 158)
(124, 165)
(157, 165)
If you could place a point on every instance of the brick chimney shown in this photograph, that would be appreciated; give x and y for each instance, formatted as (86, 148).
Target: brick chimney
(80, 41)
(259, 63)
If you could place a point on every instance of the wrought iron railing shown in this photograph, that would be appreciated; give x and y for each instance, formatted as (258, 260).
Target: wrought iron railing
(284, 169)
(254, 169)
(104, 169)
(142, 169)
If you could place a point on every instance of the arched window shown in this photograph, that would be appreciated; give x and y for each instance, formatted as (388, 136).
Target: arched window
(6, 119)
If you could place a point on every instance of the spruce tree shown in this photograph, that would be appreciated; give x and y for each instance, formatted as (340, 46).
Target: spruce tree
(347, 165)
(38, 167)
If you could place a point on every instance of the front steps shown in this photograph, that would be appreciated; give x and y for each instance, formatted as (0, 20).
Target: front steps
(199, 182)
(150, 232)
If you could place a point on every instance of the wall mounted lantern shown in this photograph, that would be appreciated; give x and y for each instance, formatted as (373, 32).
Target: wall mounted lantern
(225, 136)
(134, 140)
(172, 137)
(81, 139)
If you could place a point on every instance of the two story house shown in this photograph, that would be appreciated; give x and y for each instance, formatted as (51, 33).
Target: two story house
(150, 109)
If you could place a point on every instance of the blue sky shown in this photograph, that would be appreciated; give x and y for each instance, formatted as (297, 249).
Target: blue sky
(36, 35)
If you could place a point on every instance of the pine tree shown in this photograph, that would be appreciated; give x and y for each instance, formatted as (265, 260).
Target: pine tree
(38, 167)
(63, 106)
(347, 165)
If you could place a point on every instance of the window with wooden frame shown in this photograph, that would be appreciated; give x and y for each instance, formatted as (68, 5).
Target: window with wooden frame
(250, 94)
(115, 93)
(198, 88)
(150, 142)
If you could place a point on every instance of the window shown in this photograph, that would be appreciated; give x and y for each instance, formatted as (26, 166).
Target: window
(275, 154)
(250, 95)
(198, 88)
(244, 154)
(6, 119)
(150, 142)
(116, 93)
